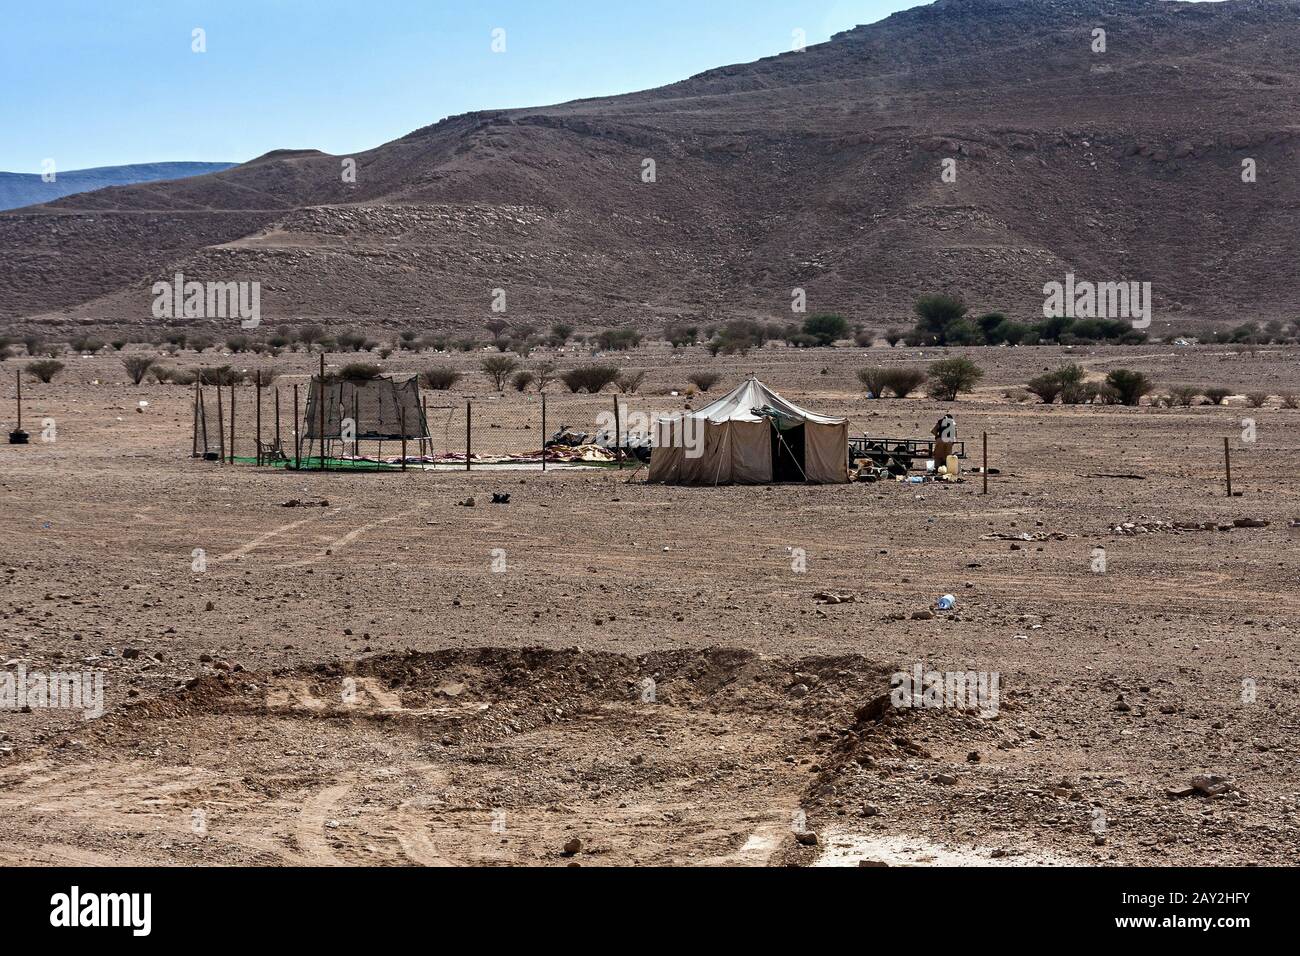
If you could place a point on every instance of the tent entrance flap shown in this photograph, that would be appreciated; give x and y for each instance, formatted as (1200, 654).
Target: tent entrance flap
(788, 454)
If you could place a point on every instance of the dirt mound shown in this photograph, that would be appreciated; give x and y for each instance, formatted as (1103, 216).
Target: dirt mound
(482, 756)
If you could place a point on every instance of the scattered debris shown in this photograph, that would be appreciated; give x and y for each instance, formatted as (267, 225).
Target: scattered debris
(299, 503)
(831, 597)
(500, 499)
(1026, 536)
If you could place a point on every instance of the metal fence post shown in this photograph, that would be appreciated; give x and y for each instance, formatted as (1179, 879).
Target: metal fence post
(543, 431)
(469, 439)
(618, 445)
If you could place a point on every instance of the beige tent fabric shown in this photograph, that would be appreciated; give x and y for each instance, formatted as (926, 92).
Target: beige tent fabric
(825, 453)
(751, 452)
(735, 441)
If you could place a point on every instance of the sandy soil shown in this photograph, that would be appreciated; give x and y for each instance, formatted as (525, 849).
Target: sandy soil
(356, 684)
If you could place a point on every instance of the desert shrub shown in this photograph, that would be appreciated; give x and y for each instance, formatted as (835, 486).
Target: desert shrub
(1256, 399)
(83, 345)
(359, 372)
(1078, 393)
(935, 313)
(1217, 395)
(351, 341)
(864, 338)
(544, 374)
(220, 375)
(738, 336)
(704, 380)
(629, 382)
(826, 328)
(893, 336)
(137, 366)
(117, 344)
(467, 345)
(496, 327)
(162, 374)
(44, 369)
(406, 338)
(33, 344)
(309, 334)
(873, 380)
(498, 368)
(590, 378)
(1129, 385)
(239, 343)
(1046, 386)
(199, 343)
(439, 378)
(678, 334)
(1018, 395)
(904, 381)
(266, 376)
(618, 340)
(522, 380)
(183, 376)
(1290, 400)
(1183, 396)
(560, 334)
(950, 377)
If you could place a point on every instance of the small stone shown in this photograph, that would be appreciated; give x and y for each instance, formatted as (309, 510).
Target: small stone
(573, 847)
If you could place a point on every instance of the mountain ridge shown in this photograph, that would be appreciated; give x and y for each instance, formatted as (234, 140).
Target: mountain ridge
(818, 170)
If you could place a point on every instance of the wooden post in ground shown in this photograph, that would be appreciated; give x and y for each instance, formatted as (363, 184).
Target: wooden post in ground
(986, 464)
(297, 435)
(1227, 464)
(402, 423)
(618, 447)
(203, 418)
(258, 427)
(320, 405)
(543, 431)
(18, 377)
(469, 417)
(194, 432)
(232, 423)
(426, 439)
(221, 429)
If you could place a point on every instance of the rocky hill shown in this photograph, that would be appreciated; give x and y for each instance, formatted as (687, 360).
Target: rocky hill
(819, 170)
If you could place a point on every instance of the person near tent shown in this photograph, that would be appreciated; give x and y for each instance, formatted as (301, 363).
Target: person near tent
(945, 438)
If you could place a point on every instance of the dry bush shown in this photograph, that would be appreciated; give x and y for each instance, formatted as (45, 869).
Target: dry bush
(44, 369)
(704, 380)
(590, 378)
(137, 366)
(904, 381)
(439, 378)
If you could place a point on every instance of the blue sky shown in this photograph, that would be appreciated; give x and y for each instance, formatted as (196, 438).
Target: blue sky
(108, 82)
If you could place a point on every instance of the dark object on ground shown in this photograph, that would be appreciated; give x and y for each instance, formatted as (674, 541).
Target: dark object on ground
(498, 499)
(18, 437)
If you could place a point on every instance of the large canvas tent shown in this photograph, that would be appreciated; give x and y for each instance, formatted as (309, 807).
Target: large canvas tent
(750, 436)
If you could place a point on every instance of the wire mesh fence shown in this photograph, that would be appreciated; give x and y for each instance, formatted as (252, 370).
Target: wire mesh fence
(268, 426)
